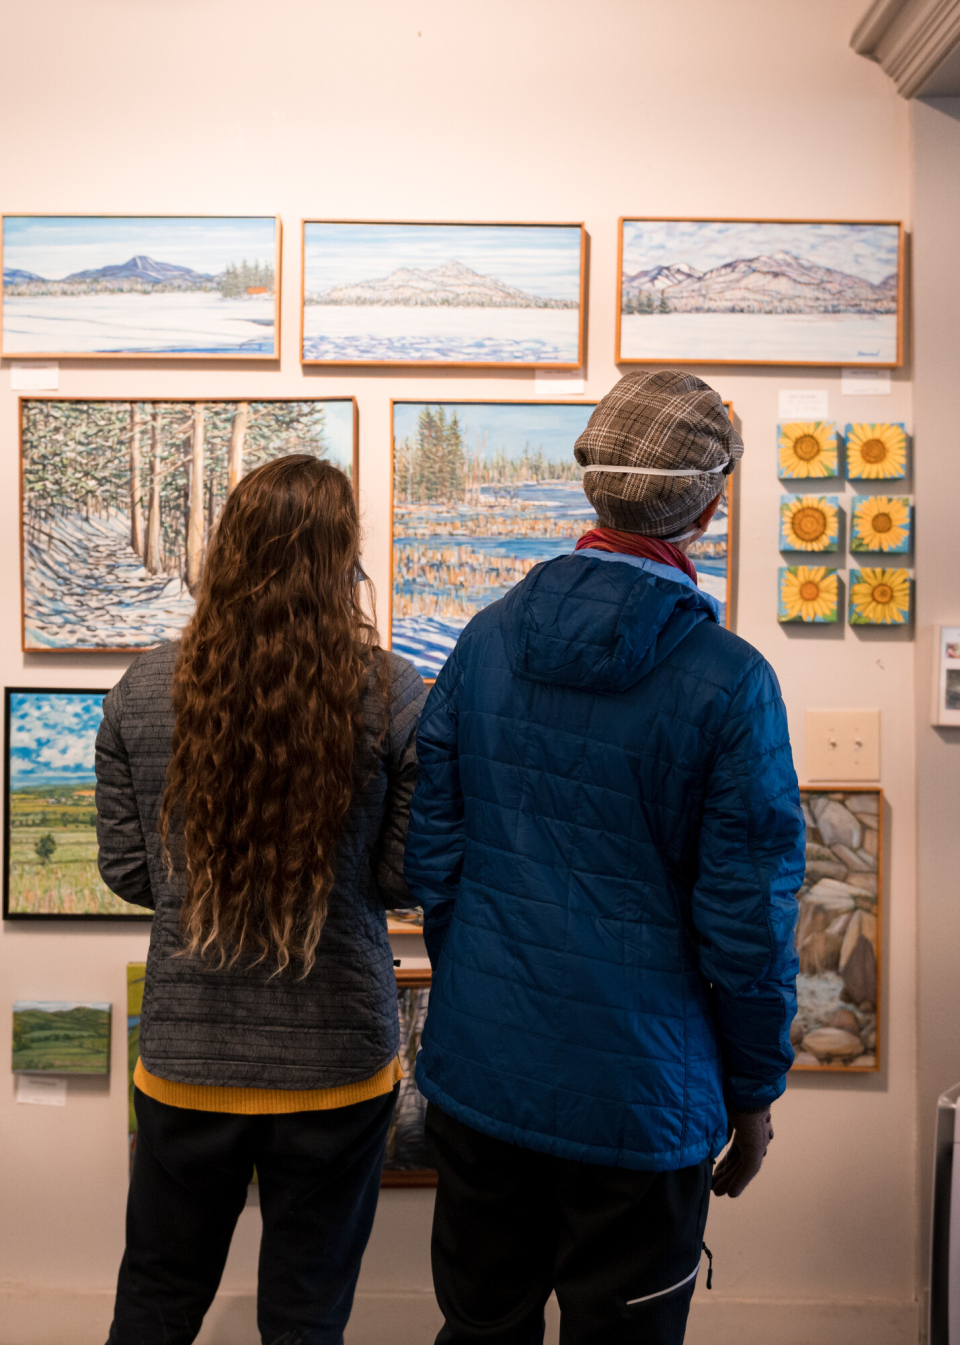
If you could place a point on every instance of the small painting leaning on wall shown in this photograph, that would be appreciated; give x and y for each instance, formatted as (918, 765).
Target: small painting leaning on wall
(50, 836)
(407, 1161)
(119, 499)
(838, 932)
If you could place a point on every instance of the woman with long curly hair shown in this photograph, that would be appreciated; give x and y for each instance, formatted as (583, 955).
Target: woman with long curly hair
(253, 785)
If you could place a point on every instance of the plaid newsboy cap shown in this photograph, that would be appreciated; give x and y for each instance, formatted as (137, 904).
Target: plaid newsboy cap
(665, 421)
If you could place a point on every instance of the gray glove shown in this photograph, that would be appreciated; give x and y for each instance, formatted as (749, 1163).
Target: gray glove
(752, 1133)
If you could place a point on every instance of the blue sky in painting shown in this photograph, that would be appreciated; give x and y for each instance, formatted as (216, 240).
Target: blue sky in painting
(56, 246)
(508, 426)
(52, 736)
(866, 250)
(541, 260)
(58, 1005)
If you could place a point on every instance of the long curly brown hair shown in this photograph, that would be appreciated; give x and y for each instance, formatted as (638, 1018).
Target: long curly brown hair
(267, 692)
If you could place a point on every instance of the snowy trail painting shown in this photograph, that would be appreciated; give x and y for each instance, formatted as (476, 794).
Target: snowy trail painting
(124, 285)
(491, 295)
(760, 292)
(119, 499)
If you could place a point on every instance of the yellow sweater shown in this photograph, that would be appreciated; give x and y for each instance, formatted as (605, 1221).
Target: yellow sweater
(264, 1101)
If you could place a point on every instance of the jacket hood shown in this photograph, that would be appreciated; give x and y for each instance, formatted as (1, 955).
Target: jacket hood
(596, 625)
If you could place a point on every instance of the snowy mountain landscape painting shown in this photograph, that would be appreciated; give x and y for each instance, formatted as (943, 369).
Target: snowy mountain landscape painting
(124, 285)
(489, 295)
(120, 497)
(755, 292)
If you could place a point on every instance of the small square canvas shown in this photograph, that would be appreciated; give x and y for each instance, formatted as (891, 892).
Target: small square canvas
(809, 522)
(881, 523)
(63, 1037)
(807, 593)
(407, 1161)
(880, 597)
(124, 286)
(838, 931)
(876, 451)
(806, 450)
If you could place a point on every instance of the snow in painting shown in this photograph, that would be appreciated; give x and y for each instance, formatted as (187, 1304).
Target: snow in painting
(86, 285)
(483, 492)
(756, 292)
(444, 293)
(119, 499)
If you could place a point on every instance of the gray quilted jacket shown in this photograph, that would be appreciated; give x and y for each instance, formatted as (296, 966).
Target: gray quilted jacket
(239, 1027)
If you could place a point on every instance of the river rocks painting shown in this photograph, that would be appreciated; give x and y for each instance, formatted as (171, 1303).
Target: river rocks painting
(838, 931)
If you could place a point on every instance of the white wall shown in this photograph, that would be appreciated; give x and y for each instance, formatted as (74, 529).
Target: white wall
(530, 110)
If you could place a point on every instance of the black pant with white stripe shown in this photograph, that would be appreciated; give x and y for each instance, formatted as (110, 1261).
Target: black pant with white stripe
(621, 1248)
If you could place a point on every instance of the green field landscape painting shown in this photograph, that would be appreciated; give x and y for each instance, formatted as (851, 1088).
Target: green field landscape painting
(50, 865)
(64, 1038)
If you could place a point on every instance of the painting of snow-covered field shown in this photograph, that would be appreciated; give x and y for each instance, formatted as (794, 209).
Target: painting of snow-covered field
(78, 285)
(483, 492)
(120, 497)
(756, 292)
(456, 294)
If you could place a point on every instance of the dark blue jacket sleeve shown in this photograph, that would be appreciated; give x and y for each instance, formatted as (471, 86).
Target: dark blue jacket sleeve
(435, 838)
(751, 865)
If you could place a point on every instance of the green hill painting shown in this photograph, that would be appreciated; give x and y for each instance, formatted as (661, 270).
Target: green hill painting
(64, 1038)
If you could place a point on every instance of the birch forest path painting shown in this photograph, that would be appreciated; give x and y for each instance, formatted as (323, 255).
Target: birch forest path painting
(120, 499)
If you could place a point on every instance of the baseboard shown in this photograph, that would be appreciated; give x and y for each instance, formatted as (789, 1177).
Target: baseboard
(35, 1315)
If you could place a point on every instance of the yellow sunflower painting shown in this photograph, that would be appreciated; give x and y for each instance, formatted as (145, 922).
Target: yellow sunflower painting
(876, 452)
(807, 448)
(809, 522)
(879, 597)
(807, 593)
(880, 523)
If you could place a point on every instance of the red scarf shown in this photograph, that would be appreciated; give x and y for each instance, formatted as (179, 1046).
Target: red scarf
(632, 544)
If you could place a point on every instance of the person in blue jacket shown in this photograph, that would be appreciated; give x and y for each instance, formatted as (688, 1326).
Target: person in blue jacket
(606, 840)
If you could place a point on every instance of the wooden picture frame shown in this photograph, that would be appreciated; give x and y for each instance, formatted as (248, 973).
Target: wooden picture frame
(839, 931)
(424, 292)
(428, 650)
(67, 814)
(411, 1104)
(136, 274)
(748, 336)
(49, 623)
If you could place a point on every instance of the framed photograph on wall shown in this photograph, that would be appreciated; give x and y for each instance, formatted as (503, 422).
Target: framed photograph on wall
(490, 296)
(141, 287)
(481, 493)
(407, 1161)
(837, 1026)
(118, 499)
(50, 831)
(946, 676)
(721, 291)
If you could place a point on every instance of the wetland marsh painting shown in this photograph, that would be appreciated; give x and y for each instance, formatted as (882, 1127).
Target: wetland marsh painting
(760, 292)
(120, 497)
(50, 862)
(126, 285)
(493, 295)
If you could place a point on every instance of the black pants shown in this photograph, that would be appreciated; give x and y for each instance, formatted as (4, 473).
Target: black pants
(319, 1175)
(621, 1248)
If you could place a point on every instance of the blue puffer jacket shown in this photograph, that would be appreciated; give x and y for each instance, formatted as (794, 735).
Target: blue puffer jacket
(606, 839)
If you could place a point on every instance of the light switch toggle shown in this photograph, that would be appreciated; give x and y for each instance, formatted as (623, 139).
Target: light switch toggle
(843, 745)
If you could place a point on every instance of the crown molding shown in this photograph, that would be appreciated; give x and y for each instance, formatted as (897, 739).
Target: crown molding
(909, 39)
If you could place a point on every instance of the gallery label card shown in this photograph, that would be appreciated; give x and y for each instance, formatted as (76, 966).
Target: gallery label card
(554, 383)
(865, 382)
(802, 404)
(44, 1092)
(35, 376)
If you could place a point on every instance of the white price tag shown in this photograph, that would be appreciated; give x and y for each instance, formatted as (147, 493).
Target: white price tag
(558, 383)
(35, 376)
(865, 382)
(803, 404)
(43, 1091)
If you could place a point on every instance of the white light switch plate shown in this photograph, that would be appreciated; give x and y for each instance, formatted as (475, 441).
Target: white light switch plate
(843, 745)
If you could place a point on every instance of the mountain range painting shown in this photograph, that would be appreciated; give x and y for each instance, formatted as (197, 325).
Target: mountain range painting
(120, 497)
(483, 492)
(124, 285)
(754, 292)
(489, 295)
(50, 860)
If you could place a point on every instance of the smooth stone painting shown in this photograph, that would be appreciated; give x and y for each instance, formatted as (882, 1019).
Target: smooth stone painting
(61, 1037)
(493, 295)
(838, 932)
(124, 285)
(120, 497)
(759, 292)
(809, 522)
(881, 523)
(880, 597)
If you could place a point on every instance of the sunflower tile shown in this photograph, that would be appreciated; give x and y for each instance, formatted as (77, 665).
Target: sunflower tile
(809, 522)
(806, 449)
(880, 597)
(876, 450)
(881, 523)
(807, 593)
